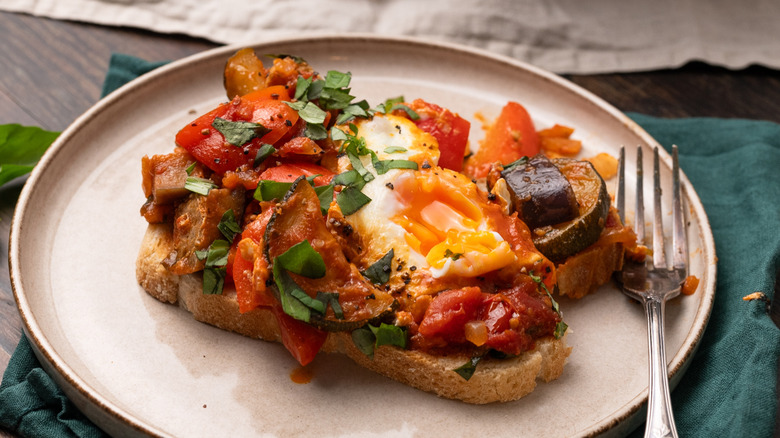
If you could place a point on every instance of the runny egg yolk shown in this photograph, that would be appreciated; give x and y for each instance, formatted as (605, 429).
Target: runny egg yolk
(444, 220)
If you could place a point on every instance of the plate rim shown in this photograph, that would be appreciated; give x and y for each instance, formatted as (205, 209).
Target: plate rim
(83, 394)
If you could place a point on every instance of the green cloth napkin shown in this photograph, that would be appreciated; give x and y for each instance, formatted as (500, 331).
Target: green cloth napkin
(729, 389)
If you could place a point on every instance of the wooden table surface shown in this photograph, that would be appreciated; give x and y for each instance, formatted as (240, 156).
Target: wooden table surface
(52, 71)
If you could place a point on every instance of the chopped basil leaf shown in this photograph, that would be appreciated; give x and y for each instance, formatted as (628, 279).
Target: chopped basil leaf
(312, 303)
(332, 299)
(315, 90)
(522, 161)
(394, 149)
(382, 167)
(467, 369)
(369, 337)
(357, 164)
(379, 271)
(350, 178)
(239, 133)
(333, 98)
(388, 334)
(214, 280)
(337, 134)
(364, 340)
(286, 286)
(268, 190)
(303, 260)
(410, 112)
(190, 168)
(214, 273)
(351, 200)
(538, 280)
(560, 329)
(228, 225)
(200, 186)
(337, 79)
(311, 113)
(302, 88)
(325, 194)
(315, 131)
(265, 151)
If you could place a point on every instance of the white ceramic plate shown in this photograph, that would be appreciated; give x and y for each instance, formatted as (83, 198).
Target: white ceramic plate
(137, 366)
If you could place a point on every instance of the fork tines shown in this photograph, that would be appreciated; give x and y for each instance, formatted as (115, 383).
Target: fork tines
(679, 240)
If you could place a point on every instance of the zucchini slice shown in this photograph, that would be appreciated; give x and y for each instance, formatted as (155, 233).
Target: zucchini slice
(558, 242)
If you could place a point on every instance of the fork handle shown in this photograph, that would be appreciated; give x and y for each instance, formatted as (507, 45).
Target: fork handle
(660, 420)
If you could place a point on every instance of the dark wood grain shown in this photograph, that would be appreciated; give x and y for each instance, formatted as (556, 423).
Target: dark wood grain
(52, 71)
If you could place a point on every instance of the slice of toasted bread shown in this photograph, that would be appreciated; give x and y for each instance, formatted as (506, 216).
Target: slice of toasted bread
(495, 380)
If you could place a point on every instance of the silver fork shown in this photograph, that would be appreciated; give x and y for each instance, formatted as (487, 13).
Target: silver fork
(654, 284)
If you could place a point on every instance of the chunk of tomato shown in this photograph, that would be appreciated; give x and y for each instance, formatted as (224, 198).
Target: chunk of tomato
(265, 107)
(511, 137)
(449, 129)
(449, 312)
(289, 171)
(301, 340)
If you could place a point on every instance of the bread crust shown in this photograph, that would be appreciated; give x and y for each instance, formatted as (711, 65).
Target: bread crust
(495, 380)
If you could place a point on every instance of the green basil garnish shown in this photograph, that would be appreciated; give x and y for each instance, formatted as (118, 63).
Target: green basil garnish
(350, 178)
(367, 338)
(382, 167)
(303, 260)
(214, 272)
(239, 133)
(287, 288)
(467, 369)
(561, 327)
(265, 151)
(394, 149)
(228, 225)
(351, 200)
(201, 186)
(379, 271)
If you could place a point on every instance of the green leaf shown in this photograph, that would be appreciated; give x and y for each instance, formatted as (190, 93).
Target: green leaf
(560, 329)
(268, 190)
(332, 299)
(303, 260)
(467, 369)
(201, 186)
(388, 334)
(394, 149)
(215, 272)
(217, 255)
(350, 178)
(379, 271)
(239, 133)
(315, 131)
(190, 168)
(357, 164)
(265, 151)
(312, 303)
(325, 195)
(410, 112)
(315, 89)
(228, 225)
(286, 286)
(308, 111)
(20, 149)
(302, 88)
(214, 280)
(351, 200)
(384, 166)
(364, 340)
(337, 79)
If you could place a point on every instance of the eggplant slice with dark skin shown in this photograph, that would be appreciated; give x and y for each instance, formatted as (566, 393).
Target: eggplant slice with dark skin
(540, 193)
(545, 200)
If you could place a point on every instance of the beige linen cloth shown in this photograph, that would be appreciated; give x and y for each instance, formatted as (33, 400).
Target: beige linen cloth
(564, 36)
